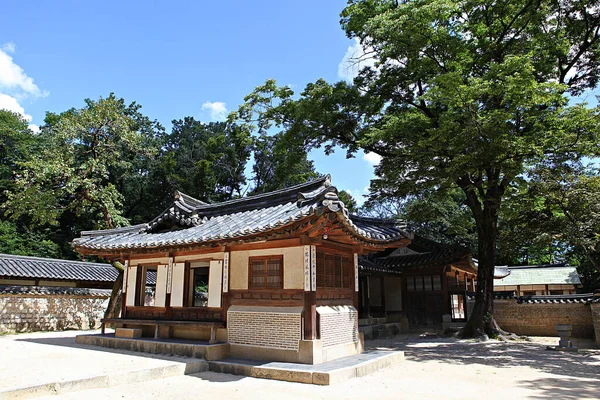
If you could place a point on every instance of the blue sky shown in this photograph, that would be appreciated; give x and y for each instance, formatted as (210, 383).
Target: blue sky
(174, 58)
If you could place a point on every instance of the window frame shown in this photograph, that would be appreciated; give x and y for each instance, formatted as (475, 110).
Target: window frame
(266, 259)
(141, 278)
(346, 272)
(187, 290)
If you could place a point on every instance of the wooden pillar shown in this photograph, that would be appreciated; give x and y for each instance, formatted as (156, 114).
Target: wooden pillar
(310, 292)
(368, 295)
(310, 315)
(445, 292)
(168, 312)
(383, 295)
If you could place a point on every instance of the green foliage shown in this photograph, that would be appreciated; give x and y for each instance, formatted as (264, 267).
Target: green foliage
(279, 163)
(25, 243)
(201, 289)
(463, 95)
(206, 161)
(84, 153)
(17, 143)
(442, 217)
(349, 201)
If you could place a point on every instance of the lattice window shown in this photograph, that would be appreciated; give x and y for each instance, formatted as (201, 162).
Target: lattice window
(265, 272)
(334, 271)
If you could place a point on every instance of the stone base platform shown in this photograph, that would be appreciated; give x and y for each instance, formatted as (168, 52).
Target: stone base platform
(181, 348)
(327, 373)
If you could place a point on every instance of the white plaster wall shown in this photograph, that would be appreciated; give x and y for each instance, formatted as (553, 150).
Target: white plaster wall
(293, 267)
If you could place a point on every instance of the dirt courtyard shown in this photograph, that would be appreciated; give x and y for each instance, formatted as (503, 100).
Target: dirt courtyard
(435, 368)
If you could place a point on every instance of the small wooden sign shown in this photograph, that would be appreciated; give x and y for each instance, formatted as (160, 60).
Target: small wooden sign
(226, 272)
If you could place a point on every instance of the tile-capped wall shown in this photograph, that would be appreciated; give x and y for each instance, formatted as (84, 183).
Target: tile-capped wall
(20, 313)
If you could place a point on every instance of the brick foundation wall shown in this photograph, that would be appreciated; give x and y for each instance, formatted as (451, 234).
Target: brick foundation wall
(338, 325)
(271, 327)
(539, 319)
(19, 313)
(596, 320)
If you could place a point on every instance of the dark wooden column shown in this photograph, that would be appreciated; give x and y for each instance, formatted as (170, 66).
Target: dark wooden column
(382, 278)
(368, 295)
(445, 291)
(310, 315)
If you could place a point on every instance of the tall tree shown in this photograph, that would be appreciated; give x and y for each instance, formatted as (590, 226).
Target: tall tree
(349, 201)
(206, 161)
(464, 94)
(279, 163)
(85, 153)
(17, 143)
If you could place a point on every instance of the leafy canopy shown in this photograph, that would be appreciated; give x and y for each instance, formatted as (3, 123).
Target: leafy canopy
(84, 152)
(464, 93)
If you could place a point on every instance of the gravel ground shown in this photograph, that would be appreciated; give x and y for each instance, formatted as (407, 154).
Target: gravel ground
(435, 368)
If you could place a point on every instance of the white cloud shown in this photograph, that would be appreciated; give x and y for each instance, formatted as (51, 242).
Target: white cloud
(12, 77)
(357, 195)
(15, 85)
(217, 110)
(11, 104)
(354, 60)
(9, 47)
(372, 158)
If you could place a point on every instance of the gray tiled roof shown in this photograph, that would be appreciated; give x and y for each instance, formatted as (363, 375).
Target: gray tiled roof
(53, 291)
(547, 274)
(420, 253)
(189, 221)
(558, 299)
(23, 267)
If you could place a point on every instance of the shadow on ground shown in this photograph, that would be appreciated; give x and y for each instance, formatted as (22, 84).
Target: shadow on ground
(577, 375)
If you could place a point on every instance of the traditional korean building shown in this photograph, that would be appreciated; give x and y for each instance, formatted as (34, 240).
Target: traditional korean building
(274, 275)
(425, 282)
(540, 280)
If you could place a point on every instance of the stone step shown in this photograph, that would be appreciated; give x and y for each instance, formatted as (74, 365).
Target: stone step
(327, 373)
(181, 348)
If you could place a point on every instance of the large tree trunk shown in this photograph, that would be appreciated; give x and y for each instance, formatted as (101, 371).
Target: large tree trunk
(482, 320)
(114, 304)
(485, 213)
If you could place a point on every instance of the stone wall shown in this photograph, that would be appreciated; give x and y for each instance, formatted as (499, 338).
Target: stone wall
(596, 319)
(338, 325)
(270, 327)
(55, 311)
(538, 319)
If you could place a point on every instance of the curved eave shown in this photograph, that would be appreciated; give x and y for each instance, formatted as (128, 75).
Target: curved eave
(358, 236)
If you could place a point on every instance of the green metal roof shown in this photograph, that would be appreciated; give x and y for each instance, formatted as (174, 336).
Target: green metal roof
(549, 274)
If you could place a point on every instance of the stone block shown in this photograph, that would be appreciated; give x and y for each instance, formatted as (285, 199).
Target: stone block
(128, 333)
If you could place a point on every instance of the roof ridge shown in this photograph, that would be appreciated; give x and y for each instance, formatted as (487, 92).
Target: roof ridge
(34, 258)
(187, 198)
(375, 219)
(555, 265)
(326, 180)
(122, 229)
